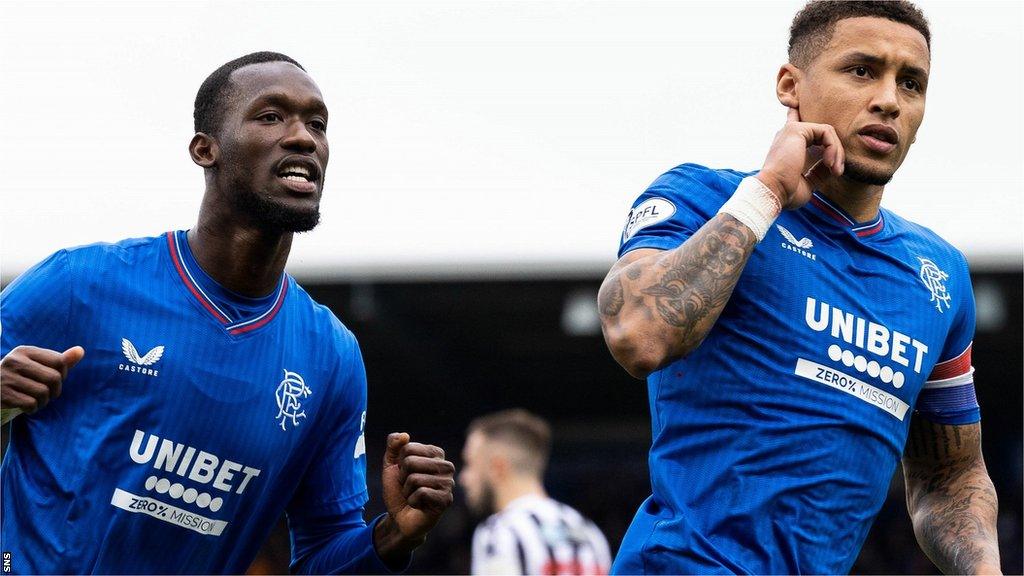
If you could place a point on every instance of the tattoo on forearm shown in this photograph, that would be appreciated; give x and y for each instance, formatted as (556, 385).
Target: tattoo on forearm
(688, 287)
(950, 496)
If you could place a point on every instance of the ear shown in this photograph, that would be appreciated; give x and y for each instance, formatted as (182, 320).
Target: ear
(499, 467)
(204, 150)
(786, 85)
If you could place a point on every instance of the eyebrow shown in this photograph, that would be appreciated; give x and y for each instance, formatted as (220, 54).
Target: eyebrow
(878, 61)
(278, 99)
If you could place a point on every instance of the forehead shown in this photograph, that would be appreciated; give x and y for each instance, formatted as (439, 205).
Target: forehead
(474, 442)
(893, 41)
(255, 81)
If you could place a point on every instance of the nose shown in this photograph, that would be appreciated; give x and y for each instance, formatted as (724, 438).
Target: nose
(887, 101)
(298, 138)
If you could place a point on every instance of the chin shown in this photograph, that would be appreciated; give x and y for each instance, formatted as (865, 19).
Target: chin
(866, 173)
(274, 215)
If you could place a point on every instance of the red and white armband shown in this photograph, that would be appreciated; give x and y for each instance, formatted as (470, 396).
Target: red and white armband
(948, 396)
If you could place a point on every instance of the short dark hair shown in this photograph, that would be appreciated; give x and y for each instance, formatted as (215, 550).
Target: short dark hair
(528, 432)
(209, 110)
(813, 25)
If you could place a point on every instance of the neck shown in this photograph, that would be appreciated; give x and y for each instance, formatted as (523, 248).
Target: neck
(517, 487)
(240, 256)
(858, 199)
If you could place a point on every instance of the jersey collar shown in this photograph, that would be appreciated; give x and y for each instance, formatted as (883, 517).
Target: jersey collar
(843, 219)
(233, 326)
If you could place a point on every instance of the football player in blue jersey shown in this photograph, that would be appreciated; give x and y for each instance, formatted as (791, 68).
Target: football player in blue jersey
(797, 339)
(181, 392)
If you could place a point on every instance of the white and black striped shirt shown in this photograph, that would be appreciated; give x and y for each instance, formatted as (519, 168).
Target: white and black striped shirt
(537, 535)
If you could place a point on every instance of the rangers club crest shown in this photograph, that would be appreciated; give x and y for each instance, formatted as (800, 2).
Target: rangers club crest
(290, 393)
(934, 280)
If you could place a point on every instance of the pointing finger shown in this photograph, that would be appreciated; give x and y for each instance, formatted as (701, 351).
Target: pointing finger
(792, 115)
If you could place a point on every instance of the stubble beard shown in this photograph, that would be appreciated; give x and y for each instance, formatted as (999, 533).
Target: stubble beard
(483, 506)
(858, 172)
(269, 215)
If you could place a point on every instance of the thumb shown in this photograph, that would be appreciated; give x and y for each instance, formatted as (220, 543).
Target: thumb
(72, 356)
(395, 442)
(792, 115)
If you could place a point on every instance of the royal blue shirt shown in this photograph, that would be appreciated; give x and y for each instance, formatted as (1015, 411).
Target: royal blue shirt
(195, 419)
(775, 440)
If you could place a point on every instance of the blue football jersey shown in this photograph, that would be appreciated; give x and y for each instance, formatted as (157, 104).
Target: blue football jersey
(774, 442)
(195, 419)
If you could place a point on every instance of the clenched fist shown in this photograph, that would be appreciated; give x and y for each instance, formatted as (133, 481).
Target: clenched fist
(418, 484)
(30, 377)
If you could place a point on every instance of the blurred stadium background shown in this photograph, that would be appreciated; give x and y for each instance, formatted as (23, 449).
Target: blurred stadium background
(484, 155)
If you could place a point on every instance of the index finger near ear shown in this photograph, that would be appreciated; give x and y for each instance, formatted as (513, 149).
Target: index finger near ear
(792, 115)
(426, 450)
(825, 135)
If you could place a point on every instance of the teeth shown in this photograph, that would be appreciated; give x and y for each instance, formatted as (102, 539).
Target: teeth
(296, 170)
(295, 178)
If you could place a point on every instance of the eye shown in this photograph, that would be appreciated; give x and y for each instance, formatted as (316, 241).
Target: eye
(912, 85)
(269, 117)
(861, 71)
(319, 125)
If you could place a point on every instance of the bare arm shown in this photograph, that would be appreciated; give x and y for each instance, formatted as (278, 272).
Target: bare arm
(657, 306)
(950, 497)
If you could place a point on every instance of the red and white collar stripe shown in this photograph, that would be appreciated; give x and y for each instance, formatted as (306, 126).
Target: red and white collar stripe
(844, 219)
(232, 326)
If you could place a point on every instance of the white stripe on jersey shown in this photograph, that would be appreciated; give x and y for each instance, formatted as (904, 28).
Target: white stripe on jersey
(537, 535)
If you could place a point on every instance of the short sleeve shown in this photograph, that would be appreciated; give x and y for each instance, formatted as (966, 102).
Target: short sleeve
(35, 309)
(675, 206)
(948, 396)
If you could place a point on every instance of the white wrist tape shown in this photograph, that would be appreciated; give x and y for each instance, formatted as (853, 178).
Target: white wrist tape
(753, 204)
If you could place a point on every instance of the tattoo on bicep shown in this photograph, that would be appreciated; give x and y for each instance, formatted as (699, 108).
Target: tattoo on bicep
(694, 283)
(930, 440)
(611, 298)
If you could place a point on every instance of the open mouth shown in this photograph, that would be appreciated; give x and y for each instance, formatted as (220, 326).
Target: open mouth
(879, 138)
(300, 174)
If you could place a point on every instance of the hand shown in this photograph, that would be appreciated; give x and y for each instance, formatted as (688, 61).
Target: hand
(30, 377)
(801, 157)
(418, 484)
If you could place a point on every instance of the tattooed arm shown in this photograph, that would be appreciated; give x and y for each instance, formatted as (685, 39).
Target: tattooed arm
(657, 306)
(950, 497)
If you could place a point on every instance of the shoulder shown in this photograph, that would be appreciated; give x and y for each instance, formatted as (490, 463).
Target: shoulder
(926, 244)
(321, 325)
(321, 319)
(687, 178)
(91, 260)
(129, 251)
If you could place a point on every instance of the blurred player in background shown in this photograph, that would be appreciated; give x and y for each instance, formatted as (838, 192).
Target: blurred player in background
(794, 334)
(214, 393)
(527, 532)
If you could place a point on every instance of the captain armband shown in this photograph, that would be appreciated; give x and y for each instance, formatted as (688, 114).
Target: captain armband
(948, 396)
(754, 205)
